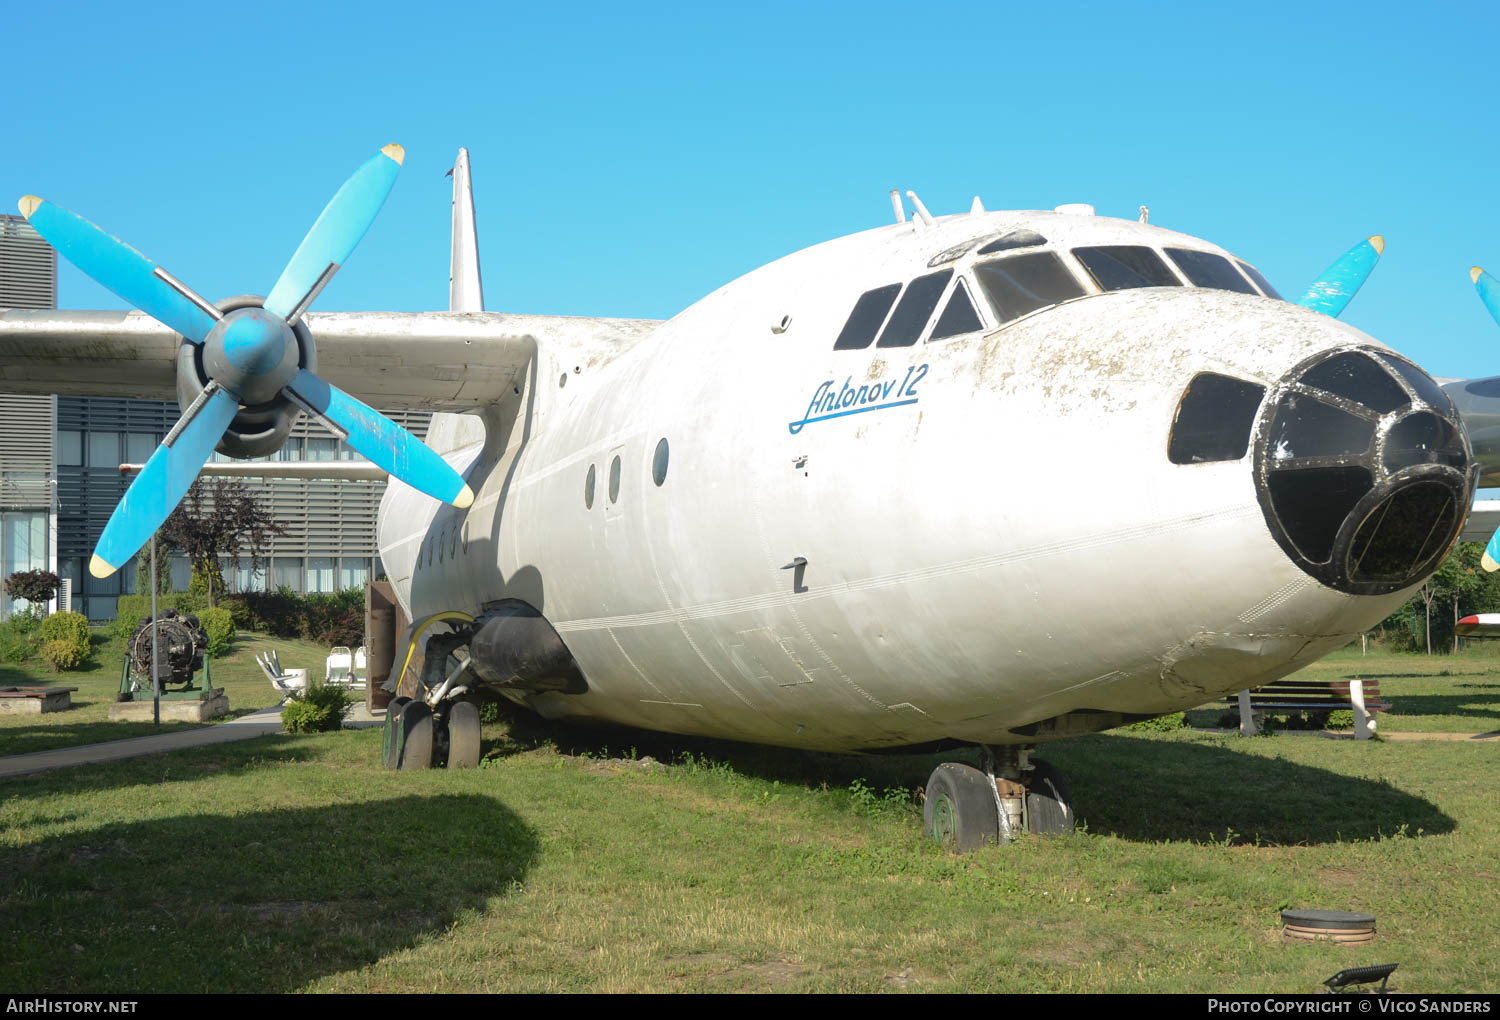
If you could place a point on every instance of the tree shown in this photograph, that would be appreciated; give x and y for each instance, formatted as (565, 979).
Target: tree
(35, 586)
(222, 518)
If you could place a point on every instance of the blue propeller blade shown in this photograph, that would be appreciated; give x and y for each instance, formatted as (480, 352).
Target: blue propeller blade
(1489, 290)
(1342, 280)
(334, 236)
(164, 480)
(385, 443)
(114, 264)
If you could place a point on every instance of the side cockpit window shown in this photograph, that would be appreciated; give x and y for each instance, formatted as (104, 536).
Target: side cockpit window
(1205, 269)
(1125, 266)
(959, 316)
(1260, 281)
(864, 322)
(1214, 419)
(914, 310)
(1023, 283)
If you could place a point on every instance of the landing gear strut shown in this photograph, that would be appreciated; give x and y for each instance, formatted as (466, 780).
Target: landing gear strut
(968, 807)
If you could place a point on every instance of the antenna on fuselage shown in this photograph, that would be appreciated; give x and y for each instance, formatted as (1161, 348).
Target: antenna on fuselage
(896, 205)
(1145, 214)
(925, 217)
(977, 209)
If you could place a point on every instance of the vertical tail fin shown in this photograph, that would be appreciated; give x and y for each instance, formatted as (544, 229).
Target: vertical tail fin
(465, 293)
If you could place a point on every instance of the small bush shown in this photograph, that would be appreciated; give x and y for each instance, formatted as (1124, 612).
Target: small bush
(219, 625)
(1169, 723)
(134, 608)
(1341, 719)
(65, 640)
(63, 654)
(20, 638)
(321, 709)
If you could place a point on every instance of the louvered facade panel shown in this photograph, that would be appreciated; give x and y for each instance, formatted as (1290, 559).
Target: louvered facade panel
(28, 266)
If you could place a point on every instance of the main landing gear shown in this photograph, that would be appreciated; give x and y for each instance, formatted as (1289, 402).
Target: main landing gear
(967, 808)
(419, 737)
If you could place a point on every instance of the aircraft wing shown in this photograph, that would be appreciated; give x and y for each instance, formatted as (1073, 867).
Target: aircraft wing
(437, 361)
(1478, 402)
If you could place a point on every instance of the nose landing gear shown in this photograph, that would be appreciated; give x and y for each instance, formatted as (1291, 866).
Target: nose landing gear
(967, 808)
(419, 737)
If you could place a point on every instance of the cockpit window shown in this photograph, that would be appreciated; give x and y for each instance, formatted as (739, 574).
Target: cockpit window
(1260, 281)
(959, 316)
(1214, 419)
(1123, 266)
(1024, 283)
(864, 321)
(914, 309)
(1012, 240)
(1205, 269)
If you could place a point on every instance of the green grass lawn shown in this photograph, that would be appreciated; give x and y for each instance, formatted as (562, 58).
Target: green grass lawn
(570, 862)
(87, 722)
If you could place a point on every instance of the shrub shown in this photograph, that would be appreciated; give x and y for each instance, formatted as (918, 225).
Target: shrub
(65, 640)
(1341, 719)
(133, 609)
(1169, 723)
(35, 586)
(219, 625)
(20, 638)
(320, 709)
(63, 654)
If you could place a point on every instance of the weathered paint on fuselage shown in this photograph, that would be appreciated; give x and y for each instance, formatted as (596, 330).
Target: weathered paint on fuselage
(999, 539)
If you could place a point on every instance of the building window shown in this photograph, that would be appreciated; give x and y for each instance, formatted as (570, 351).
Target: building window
(354, 572)
(320, 573)
(286, 572)
(104, 449)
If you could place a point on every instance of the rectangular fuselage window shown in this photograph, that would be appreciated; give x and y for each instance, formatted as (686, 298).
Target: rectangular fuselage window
(1024, 283)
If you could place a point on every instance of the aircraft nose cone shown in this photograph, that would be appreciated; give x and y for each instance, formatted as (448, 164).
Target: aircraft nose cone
(1362, 469)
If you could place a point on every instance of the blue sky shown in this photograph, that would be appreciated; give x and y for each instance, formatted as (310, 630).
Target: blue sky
(629, 159)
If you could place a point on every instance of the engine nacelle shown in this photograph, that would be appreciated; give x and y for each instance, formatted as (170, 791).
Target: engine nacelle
(259, 430)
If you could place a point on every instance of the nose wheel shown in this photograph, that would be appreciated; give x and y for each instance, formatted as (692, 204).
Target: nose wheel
(967, 808)
(417, 737)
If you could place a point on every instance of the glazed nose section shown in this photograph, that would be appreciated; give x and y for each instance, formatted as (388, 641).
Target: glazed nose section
(1363, 470)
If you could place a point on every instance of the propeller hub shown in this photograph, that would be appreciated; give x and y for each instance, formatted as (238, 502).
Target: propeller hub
(252, 353)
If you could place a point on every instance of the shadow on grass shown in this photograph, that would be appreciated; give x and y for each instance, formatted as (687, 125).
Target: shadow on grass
(260, 902)
(1150, 790)
(1131, 787)
(183, 765)
(1472, 706)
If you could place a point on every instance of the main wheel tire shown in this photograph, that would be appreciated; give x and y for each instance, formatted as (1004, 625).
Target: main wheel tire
(416, 745)
(960, 811)
(463, 736)
(390, 739)
(1049, 810)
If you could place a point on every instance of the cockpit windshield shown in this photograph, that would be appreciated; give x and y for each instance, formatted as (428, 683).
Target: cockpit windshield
(1024, 283)
(1124, 266)
(1205, 269)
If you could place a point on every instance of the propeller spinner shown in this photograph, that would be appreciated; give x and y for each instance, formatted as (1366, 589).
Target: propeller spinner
(249, 354)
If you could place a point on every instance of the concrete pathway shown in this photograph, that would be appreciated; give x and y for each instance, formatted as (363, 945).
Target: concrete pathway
(255, 724)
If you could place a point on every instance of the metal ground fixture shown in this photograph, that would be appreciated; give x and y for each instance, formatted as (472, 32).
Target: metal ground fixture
(1339, 926)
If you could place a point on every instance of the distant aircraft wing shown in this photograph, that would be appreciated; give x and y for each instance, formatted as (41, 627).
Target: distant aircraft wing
(1478, 402)
(1482, 625)
(437, 361)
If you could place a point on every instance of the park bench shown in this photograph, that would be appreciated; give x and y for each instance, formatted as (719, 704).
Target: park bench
(1362, 697)
(23, 700)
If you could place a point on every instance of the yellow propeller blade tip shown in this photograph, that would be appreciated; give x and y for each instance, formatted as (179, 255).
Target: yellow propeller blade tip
(1378, 243)
(99, 567)
(464, 499)
(1488, 564)
(1475, 272)
(29, 204)
(396, 152)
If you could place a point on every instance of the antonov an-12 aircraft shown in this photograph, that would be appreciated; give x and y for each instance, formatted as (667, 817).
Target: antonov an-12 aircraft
(992, 479)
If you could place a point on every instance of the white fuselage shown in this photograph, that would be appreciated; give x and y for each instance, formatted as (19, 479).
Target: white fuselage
(997, 540)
